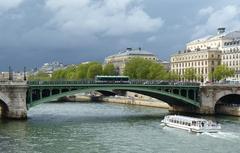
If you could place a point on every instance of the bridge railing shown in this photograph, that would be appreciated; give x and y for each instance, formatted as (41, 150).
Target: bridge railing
(7, 82)
(141, 82)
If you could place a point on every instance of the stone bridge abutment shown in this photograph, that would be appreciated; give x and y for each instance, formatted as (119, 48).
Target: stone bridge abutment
(211, 96)
(13, 100)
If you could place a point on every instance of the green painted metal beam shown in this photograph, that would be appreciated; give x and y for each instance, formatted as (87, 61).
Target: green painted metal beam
(154, 89)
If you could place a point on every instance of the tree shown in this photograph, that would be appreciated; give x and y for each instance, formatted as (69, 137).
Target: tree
(39, 76)
(140, 68)
(58, 75)
(222, 72)
(172, 76)
(81, 72)
(93, 70)
(109, 69)
(189, 74)
(156, 72)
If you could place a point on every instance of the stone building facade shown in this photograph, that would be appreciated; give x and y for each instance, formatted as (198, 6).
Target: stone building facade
(119, 60)
(206, 53)
(231, 57)
(203, 62)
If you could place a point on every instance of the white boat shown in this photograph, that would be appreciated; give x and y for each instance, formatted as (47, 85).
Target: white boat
(191, 124)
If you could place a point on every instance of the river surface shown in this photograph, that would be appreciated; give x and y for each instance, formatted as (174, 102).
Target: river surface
(110, 128)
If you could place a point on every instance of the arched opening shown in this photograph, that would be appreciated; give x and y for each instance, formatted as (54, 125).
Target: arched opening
(55, 91)
(228, 104)
(176, 91)
(191, 94)
(3, 109)
(229, 99)
(45, 93)
(65, 90)
(36, 94)
(183, 93)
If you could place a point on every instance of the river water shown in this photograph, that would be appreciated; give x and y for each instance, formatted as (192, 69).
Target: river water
(103, 128)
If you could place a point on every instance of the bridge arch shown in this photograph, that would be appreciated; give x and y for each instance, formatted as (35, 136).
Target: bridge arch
(4, 101)
(229, 99)
(225, 95)
(167, 97)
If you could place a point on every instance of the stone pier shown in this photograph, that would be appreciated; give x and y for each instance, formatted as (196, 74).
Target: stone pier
(13, 99)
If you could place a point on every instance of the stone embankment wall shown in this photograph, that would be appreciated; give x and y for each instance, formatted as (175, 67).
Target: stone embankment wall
(228, 109)
(136, 101)
(75, 98)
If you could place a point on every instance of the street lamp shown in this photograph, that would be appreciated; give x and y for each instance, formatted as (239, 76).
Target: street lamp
(24, 74)
(10, 74)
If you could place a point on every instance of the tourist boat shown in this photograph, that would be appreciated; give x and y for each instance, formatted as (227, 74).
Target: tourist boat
(191, 124)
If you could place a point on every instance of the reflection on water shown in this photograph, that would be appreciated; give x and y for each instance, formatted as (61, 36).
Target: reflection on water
(94, 127)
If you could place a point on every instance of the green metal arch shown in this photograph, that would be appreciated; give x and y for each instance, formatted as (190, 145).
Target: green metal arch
(110, 89)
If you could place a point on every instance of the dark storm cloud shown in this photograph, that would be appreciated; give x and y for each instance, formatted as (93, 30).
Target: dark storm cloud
(36, 31)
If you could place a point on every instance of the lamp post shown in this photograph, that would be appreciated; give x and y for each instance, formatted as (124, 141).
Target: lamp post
(24, 74)
(212, 75)
(10, 74)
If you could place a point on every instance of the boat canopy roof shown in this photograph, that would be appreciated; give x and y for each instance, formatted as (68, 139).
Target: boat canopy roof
(186, 118)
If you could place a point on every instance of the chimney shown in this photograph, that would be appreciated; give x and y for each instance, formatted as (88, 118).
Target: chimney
(221, 30)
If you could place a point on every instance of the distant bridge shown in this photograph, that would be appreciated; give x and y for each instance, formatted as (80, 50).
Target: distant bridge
(15, 97)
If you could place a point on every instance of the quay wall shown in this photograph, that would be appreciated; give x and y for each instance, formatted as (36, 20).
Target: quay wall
(76, 98)
(228, 110)
(135, 101)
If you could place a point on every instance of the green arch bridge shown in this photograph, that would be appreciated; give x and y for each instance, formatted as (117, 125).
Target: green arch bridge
(179, 94)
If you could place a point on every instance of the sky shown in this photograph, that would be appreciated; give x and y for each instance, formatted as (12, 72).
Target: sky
(33, 32)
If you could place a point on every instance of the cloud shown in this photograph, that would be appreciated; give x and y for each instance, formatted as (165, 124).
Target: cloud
(228, 16)
(205, 11)
(101, 17)
(6, 5)
(151, 39)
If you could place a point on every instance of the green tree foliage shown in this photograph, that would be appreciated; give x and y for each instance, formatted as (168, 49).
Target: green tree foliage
(222, 72)
(109, 69)
(39, 76)
(172, 76)
(93, 70)
(157, 72)
(58, 75)
(81, 71)
(140, 68)
(189, 74)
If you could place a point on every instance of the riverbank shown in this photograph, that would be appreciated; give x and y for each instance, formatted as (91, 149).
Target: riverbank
(76, 98)
(135, 101)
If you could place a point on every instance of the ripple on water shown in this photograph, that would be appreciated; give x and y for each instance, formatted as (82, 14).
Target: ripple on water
(91, 127)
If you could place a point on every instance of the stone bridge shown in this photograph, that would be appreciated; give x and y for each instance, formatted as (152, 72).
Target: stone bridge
(16, 96)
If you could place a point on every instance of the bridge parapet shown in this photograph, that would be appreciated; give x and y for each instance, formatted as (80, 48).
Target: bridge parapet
(135, 82)
(13, 83)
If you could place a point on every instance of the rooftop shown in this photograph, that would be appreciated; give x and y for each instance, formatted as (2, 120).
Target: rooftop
(227, 35)
(130, 51)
